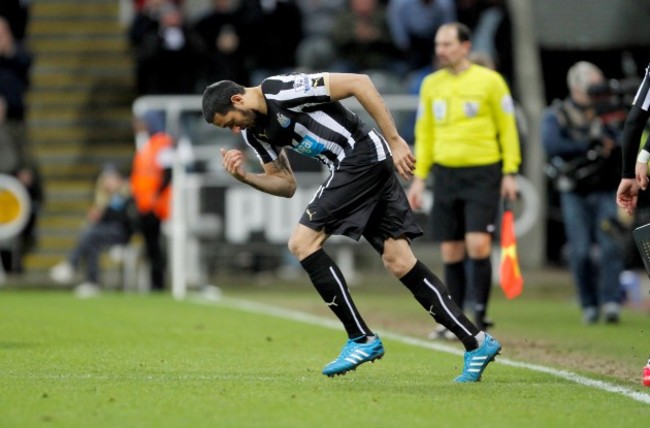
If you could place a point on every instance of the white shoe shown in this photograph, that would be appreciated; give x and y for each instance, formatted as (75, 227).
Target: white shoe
(62, 273)
(86, 290)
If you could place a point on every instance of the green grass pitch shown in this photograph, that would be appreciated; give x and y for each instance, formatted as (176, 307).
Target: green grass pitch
(125, 360)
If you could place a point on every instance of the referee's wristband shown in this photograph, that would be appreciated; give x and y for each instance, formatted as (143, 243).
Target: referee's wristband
(643, 156)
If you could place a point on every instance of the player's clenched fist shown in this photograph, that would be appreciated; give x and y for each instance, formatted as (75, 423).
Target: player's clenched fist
(233, 162)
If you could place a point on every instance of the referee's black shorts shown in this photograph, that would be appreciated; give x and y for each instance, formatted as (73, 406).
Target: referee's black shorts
(464, 200)
(362, 200)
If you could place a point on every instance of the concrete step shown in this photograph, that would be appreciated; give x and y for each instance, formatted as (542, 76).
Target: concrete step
(102, 79)
(43, 10)
(80, 113)
(79, 97)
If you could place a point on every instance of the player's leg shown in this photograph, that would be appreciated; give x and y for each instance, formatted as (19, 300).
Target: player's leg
(431, 293)
(362, 345)
(428, 290)
(307, 246)
(390, 233)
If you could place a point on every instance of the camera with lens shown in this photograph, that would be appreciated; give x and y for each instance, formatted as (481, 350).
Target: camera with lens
(611, 99)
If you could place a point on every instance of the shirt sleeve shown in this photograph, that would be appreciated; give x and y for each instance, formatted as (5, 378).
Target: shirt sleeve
(297, 89)
(264, 151)
(503, 109)
(424, 134)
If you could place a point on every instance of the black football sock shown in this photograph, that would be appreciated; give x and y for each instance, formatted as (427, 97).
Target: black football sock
(432, 294)
(456, 281)
(330, 284)
(480, 274)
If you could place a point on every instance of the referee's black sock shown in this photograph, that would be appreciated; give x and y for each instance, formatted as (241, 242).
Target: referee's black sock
(432, 294)
(480, 272)
(330, 284)
(456, 281)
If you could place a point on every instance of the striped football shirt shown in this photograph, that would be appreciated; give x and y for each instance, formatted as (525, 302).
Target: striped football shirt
(302, 117)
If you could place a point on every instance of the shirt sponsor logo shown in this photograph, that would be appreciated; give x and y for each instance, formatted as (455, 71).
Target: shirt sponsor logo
(309, 147)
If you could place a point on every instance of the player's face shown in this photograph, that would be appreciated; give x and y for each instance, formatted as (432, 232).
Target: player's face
(449, 50)
(236, 120)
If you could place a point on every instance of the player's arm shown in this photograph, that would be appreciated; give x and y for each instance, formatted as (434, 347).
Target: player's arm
(424, 147)
(503, 109)
(345, 85)
(635, 163)
(277, 179)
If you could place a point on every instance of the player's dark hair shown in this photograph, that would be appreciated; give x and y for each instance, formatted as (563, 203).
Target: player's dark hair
(216, 98)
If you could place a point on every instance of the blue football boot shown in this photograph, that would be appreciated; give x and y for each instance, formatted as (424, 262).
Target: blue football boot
(354, 354)
(477, 360)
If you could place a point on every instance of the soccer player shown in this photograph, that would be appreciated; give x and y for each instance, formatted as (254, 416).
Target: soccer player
(466, 135)
(361, 197)
(635, 163)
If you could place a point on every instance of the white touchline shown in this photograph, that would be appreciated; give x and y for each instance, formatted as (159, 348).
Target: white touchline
(303, 317)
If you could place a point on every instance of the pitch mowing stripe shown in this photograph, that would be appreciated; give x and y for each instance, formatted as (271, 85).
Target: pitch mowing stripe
(306, 318)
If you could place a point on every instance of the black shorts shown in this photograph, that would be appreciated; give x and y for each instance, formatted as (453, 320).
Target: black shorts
(464, 200)
(362, 200)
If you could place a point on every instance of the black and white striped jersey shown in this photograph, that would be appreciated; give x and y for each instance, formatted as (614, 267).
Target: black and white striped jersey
(302, 117)
(642, 97)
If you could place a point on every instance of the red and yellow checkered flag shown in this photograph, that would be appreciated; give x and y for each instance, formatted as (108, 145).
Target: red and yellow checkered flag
(512, 282)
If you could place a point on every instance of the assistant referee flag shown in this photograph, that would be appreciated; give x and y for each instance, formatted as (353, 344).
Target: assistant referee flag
(512, 282)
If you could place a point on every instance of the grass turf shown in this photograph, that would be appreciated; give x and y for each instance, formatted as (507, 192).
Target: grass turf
(149, 361)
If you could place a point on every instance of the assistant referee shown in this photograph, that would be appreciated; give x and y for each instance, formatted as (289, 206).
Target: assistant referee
(466, 134)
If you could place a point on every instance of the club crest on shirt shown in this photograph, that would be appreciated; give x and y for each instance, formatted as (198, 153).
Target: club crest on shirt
(470, 108)
(283, 120)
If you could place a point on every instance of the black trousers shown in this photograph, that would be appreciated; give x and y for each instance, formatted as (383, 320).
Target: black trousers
(151, 230)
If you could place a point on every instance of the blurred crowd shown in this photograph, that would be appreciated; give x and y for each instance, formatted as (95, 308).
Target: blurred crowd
(246, 40)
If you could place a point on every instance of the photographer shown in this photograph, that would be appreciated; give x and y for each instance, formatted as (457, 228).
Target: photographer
(581, 137)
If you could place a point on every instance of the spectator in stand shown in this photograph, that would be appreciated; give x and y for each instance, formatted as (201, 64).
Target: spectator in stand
(9, 155)
(16, 12)
(170, 56)
(146, 20)
(316, 50)
(108, 224)
(140, 5)
(273, 32)
(151, 178)
(413, 25)
(489, 20)
(222, 31)
(362, 39)
(15, 63)
(29, 175)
